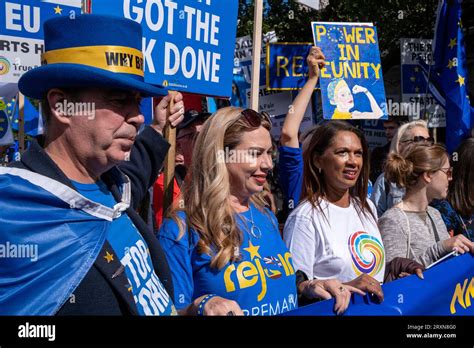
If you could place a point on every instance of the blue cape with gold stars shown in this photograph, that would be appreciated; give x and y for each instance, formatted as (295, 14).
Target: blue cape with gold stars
(50, 237)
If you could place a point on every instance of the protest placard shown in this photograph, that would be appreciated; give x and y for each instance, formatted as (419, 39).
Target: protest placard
(276, 104)
(415, 91)
(188, 45)
(286, 65)
(21, 33)
(351, 82)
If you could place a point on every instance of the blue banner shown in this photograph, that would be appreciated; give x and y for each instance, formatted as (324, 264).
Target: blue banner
(351, 82)
(448, 289)
(25, 18)
(188, 45)
(286, 65)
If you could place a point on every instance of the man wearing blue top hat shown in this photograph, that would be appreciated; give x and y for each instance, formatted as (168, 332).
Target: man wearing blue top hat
(72, 241)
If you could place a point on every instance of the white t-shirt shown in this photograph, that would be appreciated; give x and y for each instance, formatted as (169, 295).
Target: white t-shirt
(342, 244)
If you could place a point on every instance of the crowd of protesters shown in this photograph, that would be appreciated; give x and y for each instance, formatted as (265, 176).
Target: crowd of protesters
(220, 248)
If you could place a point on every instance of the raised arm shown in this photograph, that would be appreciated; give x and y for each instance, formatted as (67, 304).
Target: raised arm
(150, 149)
(291, 126)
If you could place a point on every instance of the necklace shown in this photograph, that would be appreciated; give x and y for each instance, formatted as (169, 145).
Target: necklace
(254, 231)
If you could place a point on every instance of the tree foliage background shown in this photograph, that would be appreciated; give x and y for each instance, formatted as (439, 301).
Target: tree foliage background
(394, 19)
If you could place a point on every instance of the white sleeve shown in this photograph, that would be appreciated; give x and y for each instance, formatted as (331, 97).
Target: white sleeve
(299, 237)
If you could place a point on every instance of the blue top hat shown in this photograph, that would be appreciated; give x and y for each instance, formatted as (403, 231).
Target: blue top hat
(90, 51)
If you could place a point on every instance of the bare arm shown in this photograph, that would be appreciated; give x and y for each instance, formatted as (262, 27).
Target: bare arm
(376, 110)
(289, 132)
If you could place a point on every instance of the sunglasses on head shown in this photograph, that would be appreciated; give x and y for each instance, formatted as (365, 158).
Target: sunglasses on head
(420, 139)
(254, 118)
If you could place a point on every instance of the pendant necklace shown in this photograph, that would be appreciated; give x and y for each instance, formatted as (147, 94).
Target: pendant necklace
(254, 230)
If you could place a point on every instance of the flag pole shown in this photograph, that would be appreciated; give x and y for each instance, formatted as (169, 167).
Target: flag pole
(21, 123)
(257, 47)
(170, 136)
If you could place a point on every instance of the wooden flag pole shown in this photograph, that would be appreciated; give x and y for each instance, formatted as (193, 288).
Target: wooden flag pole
(170, 136)
(257, 47)
(21, 123)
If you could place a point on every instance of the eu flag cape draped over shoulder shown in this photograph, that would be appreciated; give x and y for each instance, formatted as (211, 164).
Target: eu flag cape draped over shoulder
(50, 236)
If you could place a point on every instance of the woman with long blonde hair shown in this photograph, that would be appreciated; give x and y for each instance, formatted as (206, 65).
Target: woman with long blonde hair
(222, 242)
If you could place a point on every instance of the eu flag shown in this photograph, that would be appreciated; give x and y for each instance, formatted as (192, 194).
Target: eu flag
(450, 71)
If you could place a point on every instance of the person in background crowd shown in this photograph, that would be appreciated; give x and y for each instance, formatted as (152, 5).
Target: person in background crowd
(225, 228)
(91, 240)
(185, 138)
(386, 194)
(379, 153)
(457, 210)
(412, 229)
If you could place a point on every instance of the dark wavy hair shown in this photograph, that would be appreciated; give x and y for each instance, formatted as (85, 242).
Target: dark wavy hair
(461, 188)
(314, 182)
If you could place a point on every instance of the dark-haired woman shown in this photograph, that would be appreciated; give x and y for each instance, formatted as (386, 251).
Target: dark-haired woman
(412, 229)
(457, 210)
(333, 232)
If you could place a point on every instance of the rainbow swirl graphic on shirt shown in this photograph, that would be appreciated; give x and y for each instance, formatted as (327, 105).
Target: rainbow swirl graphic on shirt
(367, 252)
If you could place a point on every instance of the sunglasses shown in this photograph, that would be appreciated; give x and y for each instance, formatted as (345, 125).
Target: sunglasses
(254, 118)
(420, 139)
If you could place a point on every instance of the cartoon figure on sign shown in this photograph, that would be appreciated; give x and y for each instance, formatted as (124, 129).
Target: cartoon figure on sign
(341, 96)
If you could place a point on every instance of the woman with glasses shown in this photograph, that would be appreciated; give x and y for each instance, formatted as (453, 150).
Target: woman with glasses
(223, 245)
(386, 194)
(412, 229)
(457, 210)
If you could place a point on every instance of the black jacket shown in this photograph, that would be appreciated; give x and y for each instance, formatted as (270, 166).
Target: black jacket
(101, 293)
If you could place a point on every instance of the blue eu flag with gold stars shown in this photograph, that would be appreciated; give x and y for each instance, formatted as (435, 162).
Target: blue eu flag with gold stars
(450, 71)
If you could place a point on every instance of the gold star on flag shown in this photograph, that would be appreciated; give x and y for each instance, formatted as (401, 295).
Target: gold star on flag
(460, 80)
(253, 250)
(413, 78)
(58, 10)
(417, 89)
(452, 43)
(109, 257)
(460, 23)
(416, 69)
(450, 63)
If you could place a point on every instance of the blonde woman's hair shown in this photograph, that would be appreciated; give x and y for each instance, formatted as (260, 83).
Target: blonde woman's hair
(207, 188)
(402, 134)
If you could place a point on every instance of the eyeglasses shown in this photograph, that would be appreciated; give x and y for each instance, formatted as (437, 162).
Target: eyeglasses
(254, 118)
(447, 171)
(420, 139)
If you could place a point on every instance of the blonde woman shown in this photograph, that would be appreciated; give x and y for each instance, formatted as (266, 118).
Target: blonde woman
(412, 229)
(386, 194)
(223, 245)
